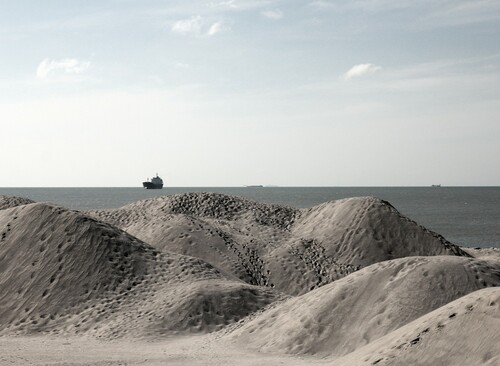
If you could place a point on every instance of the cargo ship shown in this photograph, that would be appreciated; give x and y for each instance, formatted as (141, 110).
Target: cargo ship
(155, 183)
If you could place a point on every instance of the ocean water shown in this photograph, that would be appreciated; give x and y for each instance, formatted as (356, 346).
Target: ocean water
(468, 216)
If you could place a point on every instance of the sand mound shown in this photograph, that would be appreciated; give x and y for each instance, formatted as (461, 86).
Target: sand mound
(484, 253)
(64, 272)
(364, 230)
(464, 332)
(13, 201)
(250, 240)
(337, 319)
(291, 250)
(205, 205)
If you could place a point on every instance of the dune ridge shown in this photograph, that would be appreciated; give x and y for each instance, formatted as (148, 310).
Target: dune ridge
(366, 230)
(13, 201)
(463, 332)
(347, 282)
(289, 249)
(66, 272)
(340, 317)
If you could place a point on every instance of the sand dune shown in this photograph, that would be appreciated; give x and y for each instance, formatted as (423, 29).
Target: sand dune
(348, 282)
(339, 318)
(366, 230)
(463, 332)
(491, 254)
(13, 201)
(66, 272)
(249, 240)
(291, 250)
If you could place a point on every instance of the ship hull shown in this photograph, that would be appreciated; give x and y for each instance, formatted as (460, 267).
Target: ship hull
(149, 185)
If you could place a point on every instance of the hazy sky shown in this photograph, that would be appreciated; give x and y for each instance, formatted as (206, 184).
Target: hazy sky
(234, 92)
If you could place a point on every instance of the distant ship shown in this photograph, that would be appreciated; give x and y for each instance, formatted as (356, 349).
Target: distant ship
(155, 183)
(436, 185)
(255, 186)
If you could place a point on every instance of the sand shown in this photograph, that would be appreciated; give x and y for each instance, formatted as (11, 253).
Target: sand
(345, 315)
(464, 332)
(204, 278)
(66, 273)
(12, 201)
(291, 250)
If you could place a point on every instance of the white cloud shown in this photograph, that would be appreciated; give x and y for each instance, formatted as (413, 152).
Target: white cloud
(187, 26)
(214, 28)
(48, 68)
(273, 14)
(360, 70)
(197, 26)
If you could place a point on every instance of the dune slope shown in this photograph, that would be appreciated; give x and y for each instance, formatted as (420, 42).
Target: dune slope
(340, 317)
(365, 230)
(369, 286)
(463, 332)
(66, 272)
(291, 250)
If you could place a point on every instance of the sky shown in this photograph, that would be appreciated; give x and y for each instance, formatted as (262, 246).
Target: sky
(97, 93)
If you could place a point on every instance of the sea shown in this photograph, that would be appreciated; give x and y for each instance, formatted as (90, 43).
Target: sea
(467, 216)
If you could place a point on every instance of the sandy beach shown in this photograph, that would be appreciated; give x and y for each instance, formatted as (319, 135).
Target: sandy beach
(212, 279)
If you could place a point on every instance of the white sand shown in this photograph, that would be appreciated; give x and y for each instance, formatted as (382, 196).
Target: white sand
(65, 273)
(292, 250)
(12, 201)
(213, 279)
(339, 318)
(464, 332)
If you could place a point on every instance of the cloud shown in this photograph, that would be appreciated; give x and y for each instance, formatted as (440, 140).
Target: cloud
(214, 28)
(48, 69)
(197, 26)
(187, 26)
(273, 14)
(360, 70)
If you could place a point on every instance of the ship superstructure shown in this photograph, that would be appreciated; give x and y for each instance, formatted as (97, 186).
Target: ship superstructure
(154, 183)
